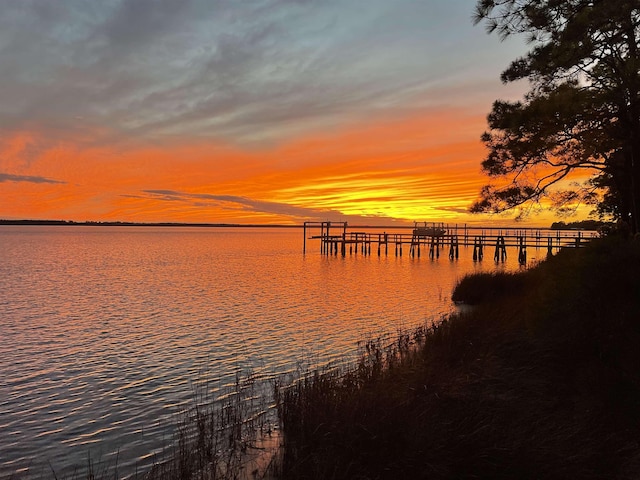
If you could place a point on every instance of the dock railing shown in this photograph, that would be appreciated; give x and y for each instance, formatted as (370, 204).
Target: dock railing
(434, 239)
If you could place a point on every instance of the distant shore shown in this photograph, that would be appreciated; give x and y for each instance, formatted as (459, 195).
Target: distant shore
(581, 225)
(142, 224)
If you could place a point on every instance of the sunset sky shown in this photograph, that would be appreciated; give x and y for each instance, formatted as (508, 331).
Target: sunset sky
(246, 111)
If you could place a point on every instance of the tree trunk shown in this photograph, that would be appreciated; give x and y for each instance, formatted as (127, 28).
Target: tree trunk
(633, 89)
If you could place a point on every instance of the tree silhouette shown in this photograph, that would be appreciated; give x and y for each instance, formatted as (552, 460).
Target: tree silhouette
(581, 114)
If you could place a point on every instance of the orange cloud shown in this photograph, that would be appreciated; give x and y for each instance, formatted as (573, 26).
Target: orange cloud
(424, 168)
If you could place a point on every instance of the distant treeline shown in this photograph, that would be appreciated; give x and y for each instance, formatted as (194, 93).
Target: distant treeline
(134, 224)
(71, 222)
(582, 225)
(37, 222)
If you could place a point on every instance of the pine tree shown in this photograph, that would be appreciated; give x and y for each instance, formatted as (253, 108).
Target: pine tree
(581, 114)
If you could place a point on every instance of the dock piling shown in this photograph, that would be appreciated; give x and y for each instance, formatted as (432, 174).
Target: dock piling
(434, 236)
(522, 251)
(500, 253)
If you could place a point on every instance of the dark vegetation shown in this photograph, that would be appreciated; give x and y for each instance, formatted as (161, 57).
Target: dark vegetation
(580, 116)
(583, 225)
(485, 287)
(136, 224)
(540, 380)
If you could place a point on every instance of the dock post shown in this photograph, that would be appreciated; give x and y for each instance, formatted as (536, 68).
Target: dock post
(304, 237)
(325, 241)
(453, 250)
(324, 233)
(344, 239)
(522, 253)
(478, 254)
(501, 250)
(443, 236)
(326, 238)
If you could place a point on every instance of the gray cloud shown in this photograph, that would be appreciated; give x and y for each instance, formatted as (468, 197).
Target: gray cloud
(6, 177)
(243, 71)
(233, 202)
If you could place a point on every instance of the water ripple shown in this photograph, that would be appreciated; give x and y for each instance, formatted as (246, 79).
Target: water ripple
(105, 333)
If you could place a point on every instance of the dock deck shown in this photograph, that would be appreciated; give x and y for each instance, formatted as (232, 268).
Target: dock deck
(436, 239)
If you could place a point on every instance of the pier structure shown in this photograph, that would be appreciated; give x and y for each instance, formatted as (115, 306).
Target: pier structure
(432, 239)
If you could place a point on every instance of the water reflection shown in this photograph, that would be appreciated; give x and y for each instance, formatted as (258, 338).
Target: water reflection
(103, 330)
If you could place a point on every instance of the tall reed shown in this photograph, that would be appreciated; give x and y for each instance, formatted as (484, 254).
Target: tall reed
(215, 436)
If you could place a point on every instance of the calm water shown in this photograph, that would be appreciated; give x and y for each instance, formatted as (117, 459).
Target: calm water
(104, 330)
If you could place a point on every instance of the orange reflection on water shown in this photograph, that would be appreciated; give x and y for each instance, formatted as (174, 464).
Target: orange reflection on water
(105, 328)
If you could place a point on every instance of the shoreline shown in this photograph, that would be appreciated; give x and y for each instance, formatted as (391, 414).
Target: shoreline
(538, 380)
(139, 224)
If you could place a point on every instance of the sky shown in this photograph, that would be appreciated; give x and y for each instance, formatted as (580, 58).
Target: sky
(247, 111)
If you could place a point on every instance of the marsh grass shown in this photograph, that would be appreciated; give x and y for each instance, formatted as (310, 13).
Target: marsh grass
(227, 433)
(490, 286)
(216, 436)
(539, 380)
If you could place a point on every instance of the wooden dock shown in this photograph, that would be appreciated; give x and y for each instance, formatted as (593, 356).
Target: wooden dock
(439, 239)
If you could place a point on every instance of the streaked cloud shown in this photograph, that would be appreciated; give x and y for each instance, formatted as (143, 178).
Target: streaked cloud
(249, 71)
(233, 202)
(248, 111)
(6, 177)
